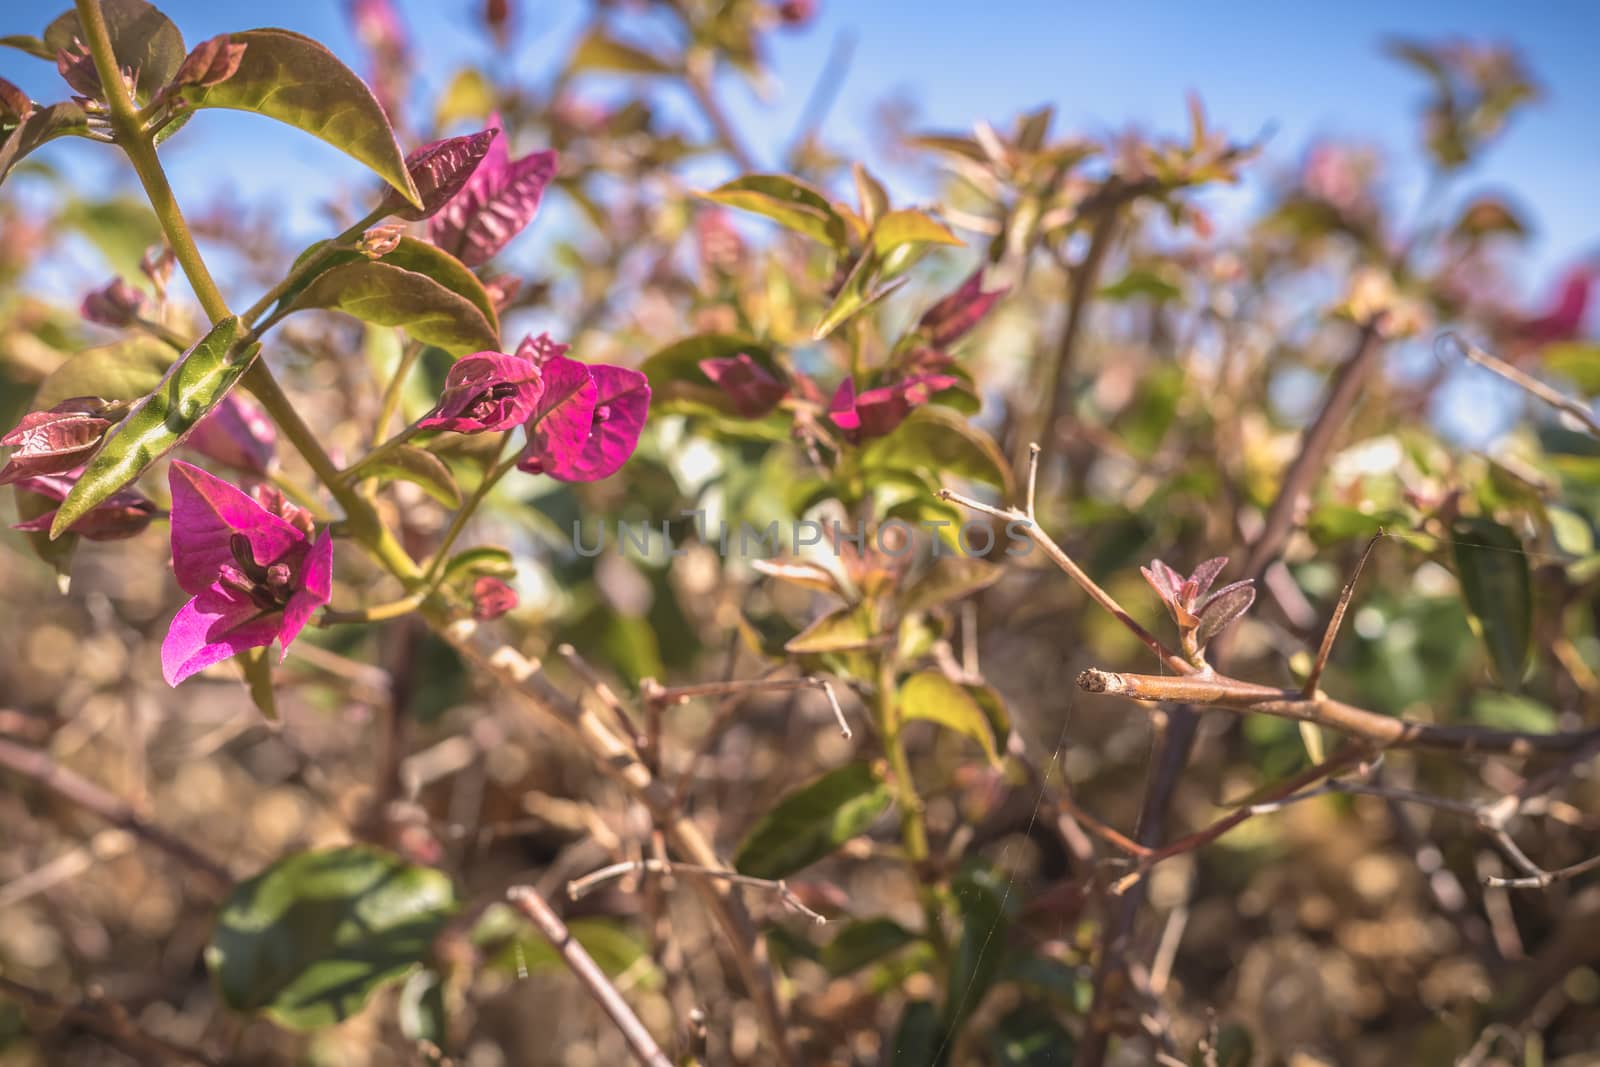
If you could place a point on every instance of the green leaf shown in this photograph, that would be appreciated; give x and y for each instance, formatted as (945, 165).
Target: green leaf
(1141, 282)
(864, 942)
(408, 463)
(940, 442)
(257, 667)
(908, 227)
(930, 695)
(379, 292)
(858, 293)
(792, 204)
(122, 229)
(919, 1037)
(1506, 711)
(981, 949)
(142, 38)
(811, 822)
(34, 46)
(1499, 593)
(309, 939)
(192, 387)
(840, 630)
(602, 52)
(424, 258)
(477, 562)
(45, 124)
(127, 370)
(949, 578)
(297, 81)
(420, 1011)
(1030, 1036)
(1576, 361)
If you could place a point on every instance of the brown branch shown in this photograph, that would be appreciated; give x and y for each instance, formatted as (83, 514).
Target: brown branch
(579, 887)
(1374, 728)
(78, 790)
(111, 1021)
(527, 900)
(661, 696)
(516, 672)
(1337, 620)
(1522, 380)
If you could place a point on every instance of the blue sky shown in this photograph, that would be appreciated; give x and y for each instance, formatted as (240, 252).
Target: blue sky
(1303, 70)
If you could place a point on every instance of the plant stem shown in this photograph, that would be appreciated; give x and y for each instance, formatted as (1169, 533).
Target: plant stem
(459, 522)
(306, 266)
(913, 829)
(391, 392)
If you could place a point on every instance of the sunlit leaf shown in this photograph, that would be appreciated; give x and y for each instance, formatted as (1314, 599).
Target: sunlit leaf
(838, 631)
(408, 463)
(192, 387)
(788, 202)
(599, 50)
(309, 939)
(948, 578)
(127, 370)
(388, 295)
(943, 443)
(908, 227)
(930, 695)
(1498, 589)
(297, 81)
(813, 821)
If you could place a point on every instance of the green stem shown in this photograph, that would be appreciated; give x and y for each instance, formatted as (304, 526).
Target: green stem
(459, 523)
(384, 449)
(137, 144)
(913, 830)
(391, 393)
(376, 613)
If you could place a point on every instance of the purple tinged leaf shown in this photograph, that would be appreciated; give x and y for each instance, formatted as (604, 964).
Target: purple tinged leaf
(486, 392)
(77, 69)
(748, 384)
(121, 515)
(237, 433)
(1206, 573)
(15, 105)
(440, 169)
(210, 63)
(588, 422)
(1229, 602)
(255, 576)
(957, 314)
(50, 442)
(877, 412)
(496, 203)
(541, 350)
(1164, 580)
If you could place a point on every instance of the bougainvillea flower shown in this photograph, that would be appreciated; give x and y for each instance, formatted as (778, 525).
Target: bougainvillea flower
(751, 387)
(439, 169)
(877, 412)
(486, 391)
(951, 318)
(121, 515)
(50, 442)
(498, 201)
(492, 598)
(588, 421)
(237, 433)
(254, 577)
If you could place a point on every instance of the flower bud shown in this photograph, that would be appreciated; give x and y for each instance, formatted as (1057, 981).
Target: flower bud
(381, 240)
(492, 598)
(116, 304)
(211, 63)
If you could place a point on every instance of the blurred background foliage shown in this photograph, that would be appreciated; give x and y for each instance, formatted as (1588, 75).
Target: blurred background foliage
(1167, 360)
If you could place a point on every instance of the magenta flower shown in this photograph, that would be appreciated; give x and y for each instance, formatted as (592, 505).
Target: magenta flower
(237, 433)
(951, 318)
(588, 421)
(877, 412)
(50, 442)
(753, 390)
(121, 515)
(486, 391)
(253, 574)
(498, 201)
(439, 170)
(492, 598)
